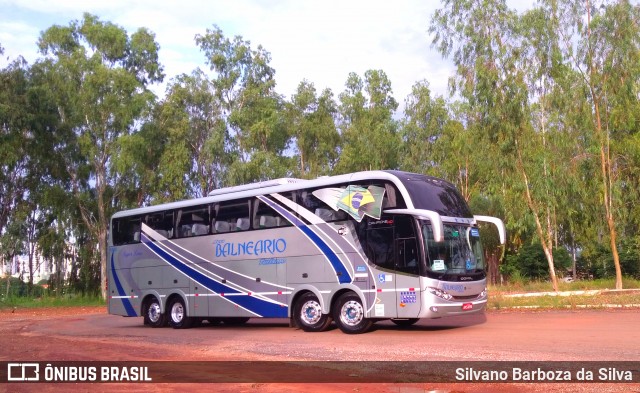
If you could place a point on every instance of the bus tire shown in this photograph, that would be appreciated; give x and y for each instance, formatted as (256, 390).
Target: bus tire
(235, 321)
(178, 318)
(405, 322)
(350, 314)
(308, 314)
(153, 315)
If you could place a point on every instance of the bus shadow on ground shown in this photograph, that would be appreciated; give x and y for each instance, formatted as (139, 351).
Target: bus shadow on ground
(454, 322)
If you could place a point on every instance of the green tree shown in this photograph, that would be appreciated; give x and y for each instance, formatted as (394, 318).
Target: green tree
(244, 84)
(370, 137)
(487, 43)
(197, 147)
(14, 135)
(136, 168)
(312, 120)
(602, 45)
(424, 121)
(99, 76)
(436, 141)
(29, 169)
(530, 261)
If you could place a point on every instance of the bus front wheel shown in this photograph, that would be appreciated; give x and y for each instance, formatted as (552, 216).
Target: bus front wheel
(178, 318)
(350, 314)
(308, 314)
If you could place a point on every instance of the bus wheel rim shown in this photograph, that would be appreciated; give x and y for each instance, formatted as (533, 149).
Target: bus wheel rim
(177, 312)
(352, 313)
(154, 312)
(311, 312)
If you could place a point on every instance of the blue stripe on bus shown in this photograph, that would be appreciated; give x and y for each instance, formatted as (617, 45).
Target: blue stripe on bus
(341, 271)
(343, 275)
(125, 302)
(261, 307)
(284, 212)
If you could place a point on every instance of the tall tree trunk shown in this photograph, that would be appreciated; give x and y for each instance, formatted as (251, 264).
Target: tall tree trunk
(607, 185)
(9, 275)
(492, 267)
(101, 230)
(545, 239)
(605, 159)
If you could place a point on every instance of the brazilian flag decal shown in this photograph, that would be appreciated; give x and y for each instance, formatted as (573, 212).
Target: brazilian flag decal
(355, 200)
(359, 201)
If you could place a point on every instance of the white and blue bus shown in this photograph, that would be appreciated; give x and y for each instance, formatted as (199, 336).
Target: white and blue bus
(351, 249)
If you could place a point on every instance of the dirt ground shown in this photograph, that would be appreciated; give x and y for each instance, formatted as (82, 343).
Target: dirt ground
(87, 333)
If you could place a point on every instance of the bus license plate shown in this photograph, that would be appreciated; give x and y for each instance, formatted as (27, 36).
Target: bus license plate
(467, 306)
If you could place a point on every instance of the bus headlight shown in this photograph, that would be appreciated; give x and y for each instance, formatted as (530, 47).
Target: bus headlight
(440, 293)
(483, 294)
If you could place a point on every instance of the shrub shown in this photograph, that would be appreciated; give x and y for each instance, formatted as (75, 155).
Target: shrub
(531, 263)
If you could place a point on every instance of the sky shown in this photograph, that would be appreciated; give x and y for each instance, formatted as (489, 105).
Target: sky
(320, 41)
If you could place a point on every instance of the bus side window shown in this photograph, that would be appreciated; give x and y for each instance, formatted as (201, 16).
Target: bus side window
(126, 230)
(407, 251)
(406, 245)
(235, 216)
(379, 242)
(194, 221)
(162, 223)
(264, 216)
(136, 234)
(321, 209)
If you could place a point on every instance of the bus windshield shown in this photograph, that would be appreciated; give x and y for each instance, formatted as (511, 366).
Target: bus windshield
(459, 254)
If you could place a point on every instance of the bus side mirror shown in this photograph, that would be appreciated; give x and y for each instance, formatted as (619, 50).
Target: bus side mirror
(502, 232)
(434, 217)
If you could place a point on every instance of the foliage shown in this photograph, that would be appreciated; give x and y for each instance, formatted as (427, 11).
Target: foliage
(19, 289)
(530, 262)
(541, 129)
(597, 301)
(251, 112)
(597, 262)
(369, 132)
(313, 128)
(99, 76)
(43, 297)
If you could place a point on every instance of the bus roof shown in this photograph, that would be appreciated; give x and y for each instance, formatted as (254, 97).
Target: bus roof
(252, 186)
(284, 185)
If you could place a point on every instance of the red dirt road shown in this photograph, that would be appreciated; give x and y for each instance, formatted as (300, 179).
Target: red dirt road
(81, 334)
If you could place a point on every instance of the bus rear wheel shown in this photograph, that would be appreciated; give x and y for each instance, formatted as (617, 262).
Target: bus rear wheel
(308, 314)
(153, 315)
(350, 314)
(178, 318)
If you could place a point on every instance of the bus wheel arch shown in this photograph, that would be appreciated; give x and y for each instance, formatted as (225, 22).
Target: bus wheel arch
(177, 313)
(349, 313)
(152, 312)
(307, 313)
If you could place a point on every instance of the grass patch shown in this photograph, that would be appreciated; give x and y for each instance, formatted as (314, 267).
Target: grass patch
(52, 301)
(499, 301)
(545, 286)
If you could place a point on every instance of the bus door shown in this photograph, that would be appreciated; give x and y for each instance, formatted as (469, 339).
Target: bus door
(379, 248)
(392, 247)
(407, 267)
